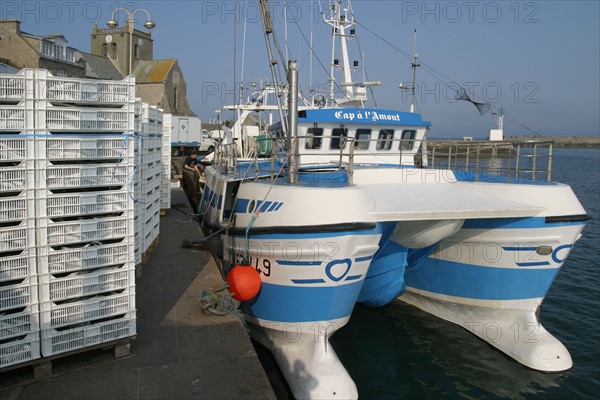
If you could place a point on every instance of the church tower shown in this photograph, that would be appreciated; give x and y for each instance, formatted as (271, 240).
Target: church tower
(124, 45)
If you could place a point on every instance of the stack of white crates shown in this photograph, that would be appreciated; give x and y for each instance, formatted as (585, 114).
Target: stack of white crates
(19, 306)
(70, 219)
(165, 186)
(147, 180)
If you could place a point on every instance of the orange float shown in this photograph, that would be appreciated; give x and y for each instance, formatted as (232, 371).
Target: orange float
(244, 282)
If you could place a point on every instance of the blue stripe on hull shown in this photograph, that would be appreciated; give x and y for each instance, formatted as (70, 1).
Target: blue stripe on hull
(479, 282)
(303, 304)
(515, 223)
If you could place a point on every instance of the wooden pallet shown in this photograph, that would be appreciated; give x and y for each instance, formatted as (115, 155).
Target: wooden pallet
(42, 367)
(148, 253)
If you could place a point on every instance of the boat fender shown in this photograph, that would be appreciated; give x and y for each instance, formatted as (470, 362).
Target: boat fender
(244, 282)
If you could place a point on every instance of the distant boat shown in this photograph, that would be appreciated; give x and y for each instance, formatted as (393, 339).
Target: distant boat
(333, 211)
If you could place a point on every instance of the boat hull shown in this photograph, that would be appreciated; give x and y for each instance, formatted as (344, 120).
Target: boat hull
(491, 278)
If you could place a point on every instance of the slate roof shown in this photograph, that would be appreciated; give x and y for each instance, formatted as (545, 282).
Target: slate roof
(153, 71)
(100, 67)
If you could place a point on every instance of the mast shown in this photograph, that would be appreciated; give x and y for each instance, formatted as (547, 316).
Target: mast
(292, 133)
(268, 30)
(342, 22)
(415, 64)
(412, 87)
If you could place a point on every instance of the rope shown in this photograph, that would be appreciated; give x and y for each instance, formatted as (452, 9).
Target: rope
(257, 212)
(217, 303)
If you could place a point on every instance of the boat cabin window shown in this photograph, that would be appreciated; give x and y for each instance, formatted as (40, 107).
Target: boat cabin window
(314, 138)
(363, 139)
(408, 139)
(386, 137)
(338, 135)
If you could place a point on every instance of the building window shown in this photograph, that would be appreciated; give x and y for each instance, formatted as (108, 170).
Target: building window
(313, 138)
(113, 50)
(104, 50)
(408, 140)
(47, 48)
(61, 72)
(175, 98)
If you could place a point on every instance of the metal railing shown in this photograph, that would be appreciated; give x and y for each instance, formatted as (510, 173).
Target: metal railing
(511, 161)
(508, 161)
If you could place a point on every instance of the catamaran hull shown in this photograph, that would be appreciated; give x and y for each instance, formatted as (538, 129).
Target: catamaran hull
(310, 284)
(305, 356)
(491, 278)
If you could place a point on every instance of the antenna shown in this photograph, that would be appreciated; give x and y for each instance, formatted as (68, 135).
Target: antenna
(415, 64)
(413, 86)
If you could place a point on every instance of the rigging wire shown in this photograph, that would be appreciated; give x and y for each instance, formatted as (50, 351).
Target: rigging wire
(365, 70)
(447, 82)
(320, 62)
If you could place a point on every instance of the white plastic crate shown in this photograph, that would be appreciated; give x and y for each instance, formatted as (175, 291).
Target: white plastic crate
(17, 208)
(17, 87)
(84, 258)
(87, 203)
(19, 324)
(137, 107)
(149, 156)
(154, 169)
(152, 213)
(151, 128)
(82, 231)
(151, 113)
(83, 283)
(13, 119)
(144, 189)
(151, 236)
(16, 148)
(18, 237)
(84, 175)
(117, 147)
(87, 310)
(13, 179)
(60, 341)
(81, 119)
(77, 90)
(138, 253)
(20, 351)
(18, 267)
(165, 195)
(19, 295)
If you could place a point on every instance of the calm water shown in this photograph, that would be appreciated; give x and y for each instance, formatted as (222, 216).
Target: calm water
(400, 352)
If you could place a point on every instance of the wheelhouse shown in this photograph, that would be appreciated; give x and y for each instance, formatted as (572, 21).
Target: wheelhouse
(370, 136)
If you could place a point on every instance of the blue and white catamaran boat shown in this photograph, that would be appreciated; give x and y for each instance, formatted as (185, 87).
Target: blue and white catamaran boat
(334, 211)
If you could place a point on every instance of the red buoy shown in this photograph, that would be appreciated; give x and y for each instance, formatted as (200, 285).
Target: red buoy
(244, 282)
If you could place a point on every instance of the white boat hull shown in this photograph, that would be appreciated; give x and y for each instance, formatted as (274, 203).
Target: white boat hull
(491, 281)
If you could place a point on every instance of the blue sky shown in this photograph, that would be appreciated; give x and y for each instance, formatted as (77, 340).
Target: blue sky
(537, 59)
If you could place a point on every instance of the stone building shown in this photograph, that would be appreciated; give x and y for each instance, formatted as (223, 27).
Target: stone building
(22, 50)
(158, 82)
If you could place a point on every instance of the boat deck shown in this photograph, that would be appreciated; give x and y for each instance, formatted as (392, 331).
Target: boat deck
(179, 352)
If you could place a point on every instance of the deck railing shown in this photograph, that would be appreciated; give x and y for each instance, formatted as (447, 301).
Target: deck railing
(507, 160)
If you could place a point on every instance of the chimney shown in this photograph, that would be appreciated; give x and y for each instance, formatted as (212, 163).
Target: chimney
(10, 26)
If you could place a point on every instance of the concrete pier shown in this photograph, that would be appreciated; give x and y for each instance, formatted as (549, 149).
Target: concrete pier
(179, 352)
